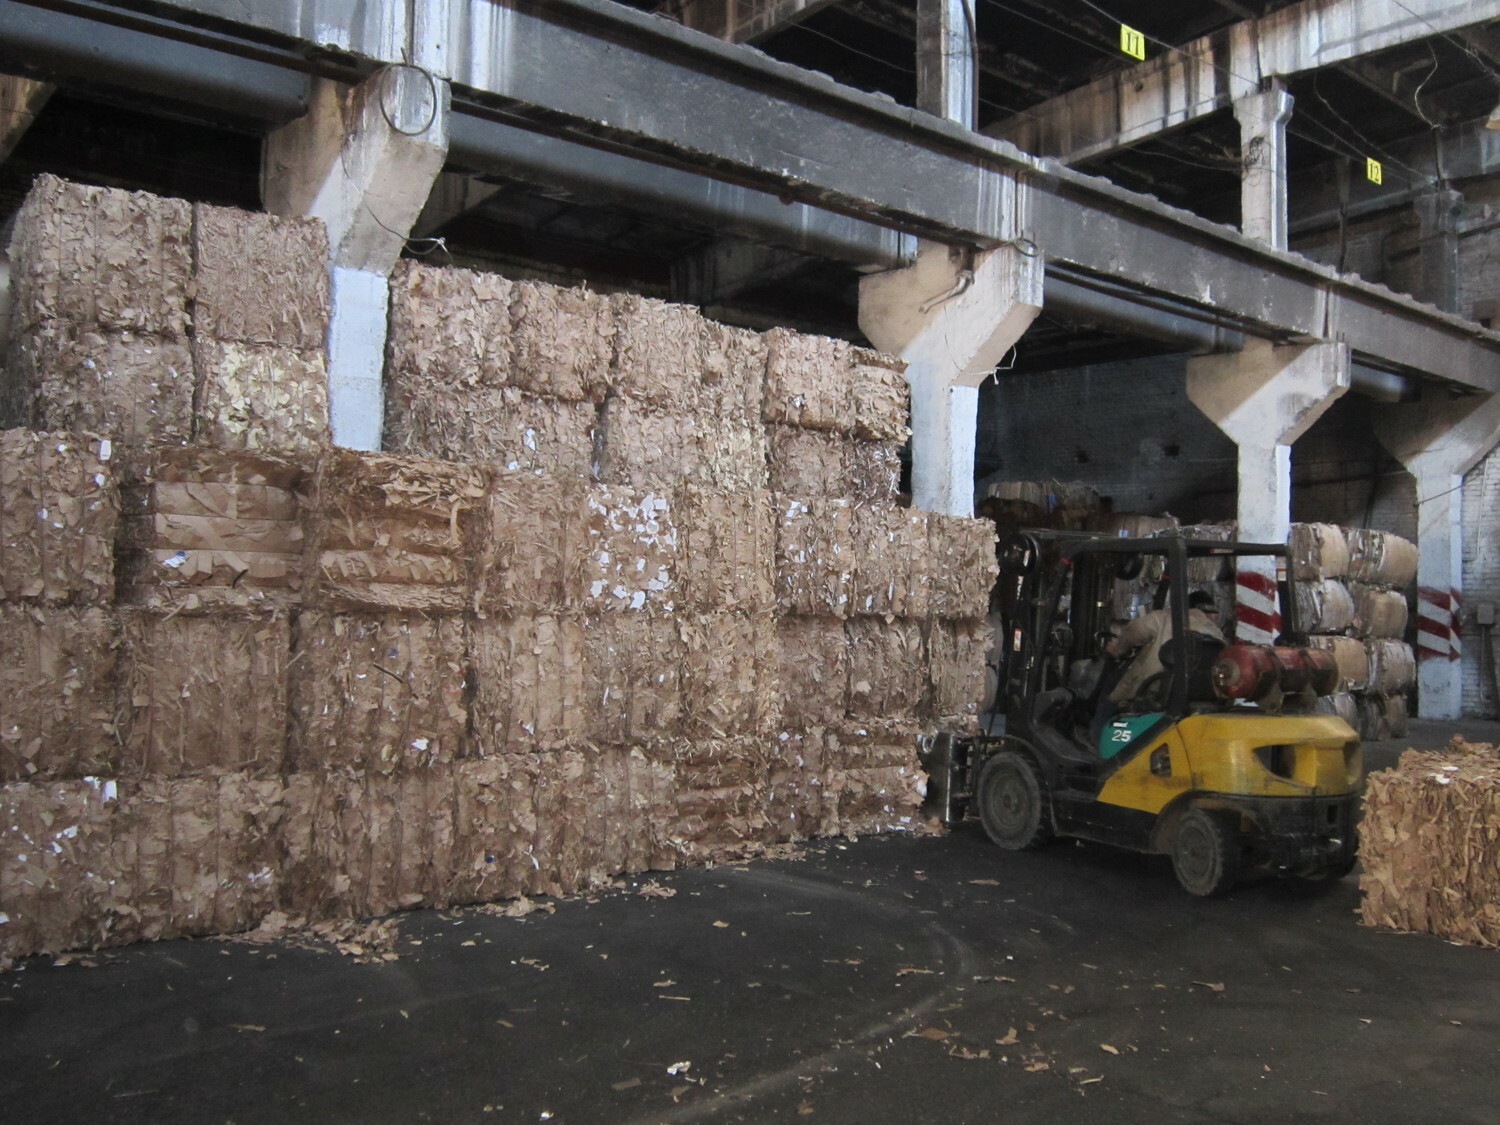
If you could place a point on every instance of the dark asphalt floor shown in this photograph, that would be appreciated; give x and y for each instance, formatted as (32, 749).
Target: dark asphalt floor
(880, 980)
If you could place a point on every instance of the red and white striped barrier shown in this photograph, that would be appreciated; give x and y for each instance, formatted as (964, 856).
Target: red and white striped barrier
(1257, 618)
(1438, 632)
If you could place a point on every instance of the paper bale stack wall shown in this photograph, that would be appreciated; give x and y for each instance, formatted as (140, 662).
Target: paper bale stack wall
(582, 619)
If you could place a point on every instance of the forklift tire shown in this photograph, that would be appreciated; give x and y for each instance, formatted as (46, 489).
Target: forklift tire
(1011, 803)
(1206, 853)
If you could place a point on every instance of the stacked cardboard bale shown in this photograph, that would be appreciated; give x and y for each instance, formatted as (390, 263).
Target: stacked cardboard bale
(1430, 844)
(1349, 586)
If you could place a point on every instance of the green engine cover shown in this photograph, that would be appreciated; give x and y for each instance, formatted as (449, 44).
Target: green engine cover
(1120, 733)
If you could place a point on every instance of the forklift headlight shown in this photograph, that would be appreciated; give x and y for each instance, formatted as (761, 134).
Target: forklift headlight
(1161, 762)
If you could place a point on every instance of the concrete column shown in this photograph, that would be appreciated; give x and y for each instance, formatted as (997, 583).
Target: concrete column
(947, 77)
(952, 315)
(363, 160)
(1263, 119)
(1437, 223)
(1265, 398)
(1439, 439)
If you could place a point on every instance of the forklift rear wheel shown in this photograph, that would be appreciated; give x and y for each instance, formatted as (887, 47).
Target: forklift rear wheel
(1206, 853)
(1010, 801)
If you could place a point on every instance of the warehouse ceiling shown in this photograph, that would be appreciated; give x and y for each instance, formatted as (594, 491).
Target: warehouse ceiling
(1029, 51)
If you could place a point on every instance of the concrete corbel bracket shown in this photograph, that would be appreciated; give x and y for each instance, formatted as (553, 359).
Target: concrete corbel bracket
(1268, 395)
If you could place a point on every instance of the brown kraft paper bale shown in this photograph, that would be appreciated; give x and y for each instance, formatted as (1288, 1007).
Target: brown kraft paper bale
(59, 513)
(205, 527)
(964, 567)
(448, 327)
(203, 694)
(1379, 558)
(727, 544)
(734, 376)
(504, 425)
(892, 563)
(1430, 846)
(872, 472)
(885, 799)
(806, 462)
(798, 804)
(888, 668)
(494, 827)
(730, 675)
(814, 660)
(260, 278)
(721, 796)
(258, 396)
(562, 342)
(1351, 658)
(377, 692)
(128, 387)
(529, 689)
(660, 353)
(632, 551)
(1319, 550)
(57, 686)
(532, 551)
(955, 668)
(1378, 613)
(118, 260)
(815, 556)
(645, 446)
(807, 381)
(392, 532)
(633, 678)
(882, 397)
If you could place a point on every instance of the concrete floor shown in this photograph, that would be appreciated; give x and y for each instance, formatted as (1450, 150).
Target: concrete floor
(884, 980)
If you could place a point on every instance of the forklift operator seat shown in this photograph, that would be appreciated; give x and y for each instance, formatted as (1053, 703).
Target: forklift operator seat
(1201, 651)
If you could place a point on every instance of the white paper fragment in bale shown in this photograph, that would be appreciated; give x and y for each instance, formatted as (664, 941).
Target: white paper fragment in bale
(1378, 613)
(258, 396)
(203, 694)
(101, 257)
(378, 692)
(814, 555)
(893, 562)
(59, 511)
(529, 683)
(1324, 605)
(888, 668)
(964, 566)
(632, 551)
(1319, 550)
(1380, 558)
(57, 688)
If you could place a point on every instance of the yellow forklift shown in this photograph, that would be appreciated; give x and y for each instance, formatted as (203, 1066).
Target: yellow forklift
(1222, 760)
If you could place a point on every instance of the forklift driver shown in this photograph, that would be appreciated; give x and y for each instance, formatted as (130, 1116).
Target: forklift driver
(1144, 636)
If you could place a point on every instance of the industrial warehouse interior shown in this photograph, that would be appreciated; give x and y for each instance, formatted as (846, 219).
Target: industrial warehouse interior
(749, 560)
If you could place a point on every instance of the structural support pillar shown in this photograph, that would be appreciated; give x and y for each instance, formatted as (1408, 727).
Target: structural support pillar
(1437, 226)
(1264, 398)
(1439, 439)
(952, 315)
(363, 160)
(947, 74)
(1263, 208)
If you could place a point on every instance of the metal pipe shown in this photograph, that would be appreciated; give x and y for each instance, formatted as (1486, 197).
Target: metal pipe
(485, 146)
(1382, 386)
(1113, 309)
(36, 40)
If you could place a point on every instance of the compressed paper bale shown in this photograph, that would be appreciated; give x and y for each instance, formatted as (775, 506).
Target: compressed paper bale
(1397, 715)
(956, 667)
(733, 378)
(378, 692)
(632, 551)
(871, 743)
(808, 381)
(881, 397)
(258, 396)
(562, 341)
(260, 278)
(661, 351)
(118, 260)
(1393, 666)
(1379, 558)
(815, 555)
(532, 544)
(1350, 656)
(726, 550)
(1430, 844)
(585, 829)
(1374, 724)
(1212, 568)
(1343, 704)
(1131, 525)
(503, 425)
(814, 662)
(494, 827)
(1377, 612)
(633, 678)
(893, 563)
(964, 567)
(730, 675)
(872, 471)
(529, 683)
(805, 462)
(57, 687)
(644, 446)
(1324, 605)
(887, 799)
(732, 453)
(1319, 550)
(202, 694)
(131, 388)
(721, 787)
(59, 513)
(449, 327)
(797, 803)
(56, 865)
(888, 668)
(391, 532)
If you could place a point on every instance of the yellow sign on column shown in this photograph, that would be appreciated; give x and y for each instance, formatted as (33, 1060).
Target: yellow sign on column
(1373, 171)
(1132, 42)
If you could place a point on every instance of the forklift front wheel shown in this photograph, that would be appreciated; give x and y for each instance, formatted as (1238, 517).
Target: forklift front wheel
(1206, 853)
(1011, 803)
